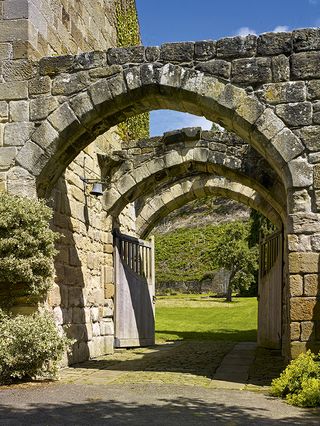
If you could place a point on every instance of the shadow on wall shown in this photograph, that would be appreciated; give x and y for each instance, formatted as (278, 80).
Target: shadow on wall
(311, 330)
(69, 308)
(94, 407)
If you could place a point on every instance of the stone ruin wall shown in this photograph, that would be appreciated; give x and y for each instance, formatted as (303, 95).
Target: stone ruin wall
(35, 28)
(82, 296)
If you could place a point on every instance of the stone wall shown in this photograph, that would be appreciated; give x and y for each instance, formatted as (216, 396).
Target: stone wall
(35, 28)
(82, 297)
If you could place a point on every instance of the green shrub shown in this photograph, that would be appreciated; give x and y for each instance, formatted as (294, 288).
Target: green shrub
(26, 246)
(299, 383)
(30, 346)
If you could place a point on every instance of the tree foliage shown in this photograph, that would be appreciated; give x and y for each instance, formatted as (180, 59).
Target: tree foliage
(26, 245)
(190, 254)
(232, 252)
(128, 34)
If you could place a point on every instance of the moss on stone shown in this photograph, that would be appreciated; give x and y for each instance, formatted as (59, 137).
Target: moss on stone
(128, 33)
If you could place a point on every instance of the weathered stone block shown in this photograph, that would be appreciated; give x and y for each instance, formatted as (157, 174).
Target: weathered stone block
(217, 67)
(56, 64)
(7, 157)
(67, 84)
(235, 47)
(107, 327)
(251, 71)
(304, 309)
(100, 346)
(295, 331)
(204, 50)
(280, 68)
(18, 70)
(306, 39)
(95, 329)
(76, 297)
(19, 111)
(80, 315)
(132, 77)
(21, 182)
(316, 176)
(304, 222)
(177, 52)
(14, 90)
(292, 91)
(307, 331)
(299, 242)
(303, 262)
(39, 85)
(312, 285)
(16, 134)
(107, 71)
(287, 144)
(297, 348)
(269, 124)
(313, 89)
(314, 158)
(310, 137)
(77, 331)
(109, 291)
(316, 113)
(54, 296)
(89, 60)
(295, 114)
(274, 44)
(14, 29)
(296, 285)
(41, 107)
(45, 135)
(63, 117)
(152, 53)
(126, 55)
(5, 51)
(4, 111)
(305, 65)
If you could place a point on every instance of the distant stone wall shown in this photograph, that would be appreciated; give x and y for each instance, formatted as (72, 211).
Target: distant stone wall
(35, 28)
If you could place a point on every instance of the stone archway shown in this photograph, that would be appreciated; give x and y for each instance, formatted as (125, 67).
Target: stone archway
(173, 196)
(181, 152)
(263, 88)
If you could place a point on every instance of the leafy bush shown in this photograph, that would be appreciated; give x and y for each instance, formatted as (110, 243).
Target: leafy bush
(30, 346)
(299, 383)
(26, 245)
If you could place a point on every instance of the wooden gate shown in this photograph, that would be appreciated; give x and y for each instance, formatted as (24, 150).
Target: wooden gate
(270, 292)
(135, 291)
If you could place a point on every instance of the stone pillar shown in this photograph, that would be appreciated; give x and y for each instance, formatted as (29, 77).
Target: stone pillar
(303, 282)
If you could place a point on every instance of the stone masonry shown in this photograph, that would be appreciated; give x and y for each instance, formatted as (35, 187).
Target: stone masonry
(266, 89)
(82, 297)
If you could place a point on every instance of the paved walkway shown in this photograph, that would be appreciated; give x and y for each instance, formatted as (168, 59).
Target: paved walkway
(188, 383)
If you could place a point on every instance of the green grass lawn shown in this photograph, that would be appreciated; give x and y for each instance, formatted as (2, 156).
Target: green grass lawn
(201, 317)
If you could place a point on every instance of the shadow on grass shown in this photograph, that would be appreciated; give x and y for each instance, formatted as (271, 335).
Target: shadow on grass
(69, 405)
(220, 335)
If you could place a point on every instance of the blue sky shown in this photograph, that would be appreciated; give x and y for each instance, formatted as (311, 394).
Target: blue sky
(165, 21)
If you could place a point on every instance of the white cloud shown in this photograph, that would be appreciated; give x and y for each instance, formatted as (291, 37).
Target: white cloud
(165, 120)
(244, 31)
(280, 29)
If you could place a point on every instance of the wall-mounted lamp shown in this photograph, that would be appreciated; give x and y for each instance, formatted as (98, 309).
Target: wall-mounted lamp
(96, 186)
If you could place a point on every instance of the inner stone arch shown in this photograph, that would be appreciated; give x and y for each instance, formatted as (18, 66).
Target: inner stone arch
(178, 153)
(178, 193)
